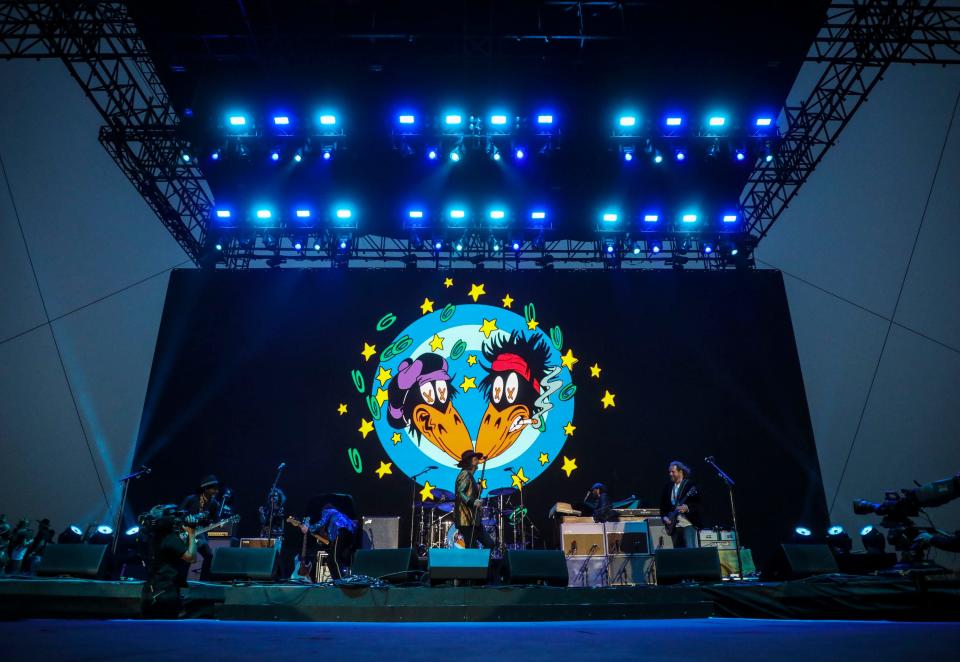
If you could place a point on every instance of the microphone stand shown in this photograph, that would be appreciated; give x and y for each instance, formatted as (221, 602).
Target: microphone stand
(272, 502)
(413, 503)
(728, 481)
(476, 507)
(125, 481)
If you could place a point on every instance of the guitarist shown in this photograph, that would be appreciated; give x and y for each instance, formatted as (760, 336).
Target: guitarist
(204, 500)
(339, 530)
(680, 505)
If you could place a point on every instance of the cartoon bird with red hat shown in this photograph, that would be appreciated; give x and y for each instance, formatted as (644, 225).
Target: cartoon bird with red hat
(420, 399)
(518, 366)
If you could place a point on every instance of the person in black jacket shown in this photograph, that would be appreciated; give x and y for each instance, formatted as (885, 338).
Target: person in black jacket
(599, 502)
(680, 505)
(204, 501)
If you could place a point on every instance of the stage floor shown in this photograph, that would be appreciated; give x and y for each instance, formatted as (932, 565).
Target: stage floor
(691, 639)
(823, 597)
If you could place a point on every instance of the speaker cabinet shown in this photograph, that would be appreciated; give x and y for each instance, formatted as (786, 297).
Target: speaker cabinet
(255, 563)
(546, 566)
(380, 533)
(193, 574)
(630, 570)
(627, 538)
(587, 571)
(391, 565)
(659, 538)
(700, 564)
(806, 560)
(455, 563)
(75, 560)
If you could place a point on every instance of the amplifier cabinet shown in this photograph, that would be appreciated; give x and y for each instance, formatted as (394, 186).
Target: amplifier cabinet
(380, 533)
(587, 571)
(582, 537)
(260, 542)
(631, 569)
(659, 538)
(627, 538)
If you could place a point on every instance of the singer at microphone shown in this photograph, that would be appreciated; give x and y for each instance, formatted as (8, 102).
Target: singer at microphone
(467, 502)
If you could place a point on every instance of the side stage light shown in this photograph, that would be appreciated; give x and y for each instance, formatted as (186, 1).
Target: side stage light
(873, 541)
(71, 535)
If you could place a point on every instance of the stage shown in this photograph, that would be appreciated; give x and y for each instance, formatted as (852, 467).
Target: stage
(822, 597)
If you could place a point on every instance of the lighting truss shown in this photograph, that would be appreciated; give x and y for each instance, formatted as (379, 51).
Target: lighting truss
(857, 43)
(99, 44)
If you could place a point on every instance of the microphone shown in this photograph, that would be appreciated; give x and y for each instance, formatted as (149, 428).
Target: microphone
(145, 469)
(709, 459)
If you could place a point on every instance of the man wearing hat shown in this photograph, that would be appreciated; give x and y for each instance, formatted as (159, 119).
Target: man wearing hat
(599, 502)
(467, 502)
(204, 500)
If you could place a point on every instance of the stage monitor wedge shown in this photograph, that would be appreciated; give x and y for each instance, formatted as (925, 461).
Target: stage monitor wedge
(244, 563)
(807, 560)
(547, 566)
(455, 563)
(695, 564)
(391, 565)
(74, 560)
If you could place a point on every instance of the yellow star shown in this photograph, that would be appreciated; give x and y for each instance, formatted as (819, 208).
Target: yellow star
(342, 408)
(427, 491)
(426, 306)
(569, 428)
(382, 396)
(607, 399)
(368, 351)
(385, 468)
(396, 438)
(568, 465)
(366, 427)
(519, 479)
(436, 343)
(489, 326)
(383, 376)
(468, 383)
(568, 360)
(595, 370)
(475, 291)
(472, 360)
(507, 301)
(448, 282)
(533, 324)
(544, 458)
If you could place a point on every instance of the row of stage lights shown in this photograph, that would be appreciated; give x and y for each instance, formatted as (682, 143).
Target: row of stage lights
(838, 539)
(610, 220)
(713, 124)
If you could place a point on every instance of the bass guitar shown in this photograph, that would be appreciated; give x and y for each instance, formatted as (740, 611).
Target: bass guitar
(303, 566)
(671, 518)
(319, 538)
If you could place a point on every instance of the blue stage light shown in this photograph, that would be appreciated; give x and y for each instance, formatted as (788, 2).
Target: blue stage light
(275, 156)
(498, 120)
(406, 119)
(764, 121)
(459, 246)
(303, 213)
(717, 120)
(432, 155)
(457, 214)
(343, 244)
(497, 214)
(415, 213)
(867, 529)
(238, 120)
(264, 213)
(803, 531)
(681, 155)
(281, 120)
(327, 155)
(610, 217)
(656, 246)
(218, 246)
(76, 529)
(674, 121)
(132, 531)
(438, 245)
(729, 218)
(689, 218)
(835, 530)
(538, 215)
(496, 155)
(628, 156)
(328, 120)
(223, 213)
(496, 246)
(651, 218)
(317, 246)
(740, 155)
(609, 248)
(734, 251)
(343, 213)
(658, 158)
(453, 120)
(516, 245)
(708, 248)
(216, 155)
(636, 250)
(185, 157)
(519, 153)
(628, 120)
(298, 157)
(544, 119)
(105, 529)
(298, 245)
(455, 156)
(768, 158)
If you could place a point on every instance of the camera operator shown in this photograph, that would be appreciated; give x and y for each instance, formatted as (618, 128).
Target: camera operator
(946, 542)
(171, 543)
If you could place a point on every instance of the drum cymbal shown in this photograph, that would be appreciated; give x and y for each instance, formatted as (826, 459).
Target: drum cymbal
(503, 491)
(445, 507)
(428, 505)
(440, 494)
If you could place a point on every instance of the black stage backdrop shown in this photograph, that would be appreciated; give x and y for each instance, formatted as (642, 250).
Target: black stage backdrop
(253, 368)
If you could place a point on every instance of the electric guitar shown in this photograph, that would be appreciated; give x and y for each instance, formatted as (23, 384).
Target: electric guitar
(674, 514)
(200, 530)
(319, 538)
(303, 567)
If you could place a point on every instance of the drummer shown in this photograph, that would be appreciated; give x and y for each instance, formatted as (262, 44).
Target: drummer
(467, 502)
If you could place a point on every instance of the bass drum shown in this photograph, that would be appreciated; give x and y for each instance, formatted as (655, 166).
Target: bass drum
(452, 537)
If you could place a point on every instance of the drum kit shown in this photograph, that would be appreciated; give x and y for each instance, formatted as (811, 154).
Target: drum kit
(504, 520)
